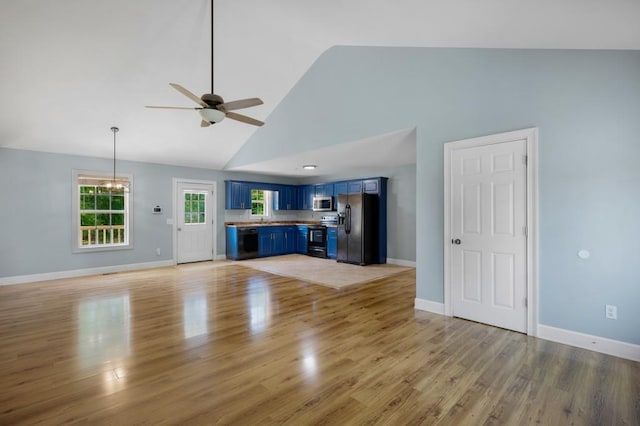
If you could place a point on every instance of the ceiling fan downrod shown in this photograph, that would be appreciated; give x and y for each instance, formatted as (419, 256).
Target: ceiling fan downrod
(212, 91)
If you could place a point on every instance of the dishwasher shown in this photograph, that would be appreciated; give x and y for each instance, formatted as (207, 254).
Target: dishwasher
(247, 243)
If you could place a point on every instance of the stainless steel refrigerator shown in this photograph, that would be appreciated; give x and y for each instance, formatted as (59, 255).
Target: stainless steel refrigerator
(358, 228)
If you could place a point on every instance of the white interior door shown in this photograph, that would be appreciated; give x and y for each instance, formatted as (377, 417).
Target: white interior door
(195, 221)
(488, 234)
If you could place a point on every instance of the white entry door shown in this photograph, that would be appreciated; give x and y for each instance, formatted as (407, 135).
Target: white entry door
(195, 221)
(488, 217)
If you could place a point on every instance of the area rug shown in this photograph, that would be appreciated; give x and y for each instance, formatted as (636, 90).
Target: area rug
(322, 271)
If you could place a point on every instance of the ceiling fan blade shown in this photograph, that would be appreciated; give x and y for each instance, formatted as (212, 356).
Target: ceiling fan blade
(169, 107)
(205, 123)
(242, 103)
(244, 119)
(189, 95)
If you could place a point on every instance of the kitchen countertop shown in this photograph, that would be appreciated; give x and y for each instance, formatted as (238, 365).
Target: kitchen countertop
(266, 223)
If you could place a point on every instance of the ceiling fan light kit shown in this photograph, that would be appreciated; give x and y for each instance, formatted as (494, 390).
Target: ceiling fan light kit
(212, 115)
(213, 108)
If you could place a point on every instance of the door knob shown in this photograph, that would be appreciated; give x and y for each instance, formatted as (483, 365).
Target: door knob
(179, 229)
(456, 241)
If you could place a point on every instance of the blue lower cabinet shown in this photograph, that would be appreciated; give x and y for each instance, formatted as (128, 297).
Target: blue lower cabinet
(265, 242)
(301, 243)
(332, 242)
(232, 242)
(276, 240)
(289, 233)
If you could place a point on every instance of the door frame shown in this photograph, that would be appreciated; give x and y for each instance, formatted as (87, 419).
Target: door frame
(214, 199)
(530, 135)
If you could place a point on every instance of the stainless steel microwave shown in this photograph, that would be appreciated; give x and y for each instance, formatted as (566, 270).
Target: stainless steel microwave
(322, 204)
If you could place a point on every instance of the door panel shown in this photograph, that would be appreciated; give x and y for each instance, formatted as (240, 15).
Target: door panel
(471, 278)
(503, 280)
(194, 222)
(502, 209)
(488, 216)
(472, 214)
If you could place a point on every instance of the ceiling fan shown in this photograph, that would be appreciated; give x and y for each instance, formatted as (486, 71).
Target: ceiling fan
(212, 107)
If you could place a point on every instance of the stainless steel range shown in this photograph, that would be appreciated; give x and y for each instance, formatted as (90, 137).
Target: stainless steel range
(317, 241)
(317, 236)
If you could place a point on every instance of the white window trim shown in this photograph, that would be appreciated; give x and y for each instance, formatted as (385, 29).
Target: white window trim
(75, 213)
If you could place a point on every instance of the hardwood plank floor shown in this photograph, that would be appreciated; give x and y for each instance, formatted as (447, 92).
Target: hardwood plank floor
(199, 344)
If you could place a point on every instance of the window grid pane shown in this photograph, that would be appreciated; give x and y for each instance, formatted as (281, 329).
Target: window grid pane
(194, 207)
(103, 213)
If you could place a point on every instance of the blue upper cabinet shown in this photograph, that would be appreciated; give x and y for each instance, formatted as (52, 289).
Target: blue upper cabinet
(305, 197)
(237, 195)
(340, 188)
(324, 190)
(347, 187)
(371, 186)
(354, 187)
(285, 198)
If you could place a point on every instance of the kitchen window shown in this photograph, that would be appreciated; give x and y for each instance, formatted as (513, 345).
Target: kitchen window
(260, 201)
(101, 212)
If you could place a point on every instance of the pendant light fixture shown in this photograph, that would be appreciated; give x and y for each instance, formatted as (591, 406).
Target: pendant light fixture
(115, 183)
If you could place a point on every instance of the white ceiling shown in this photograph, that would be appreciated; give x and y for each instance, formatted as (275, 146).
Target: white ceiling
(71, 69)
(389, 150)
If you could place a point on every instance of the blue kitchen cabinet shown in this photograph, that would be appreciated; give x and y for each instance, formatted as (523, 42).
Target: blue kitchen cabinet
(371, 186)
(232, 242)
(289, 245)
(285, 198)
(324, 190)
(305, 197)
(265, 241)
(332, 242)
(237, 195)
(347, 187)
(301, 240)
(354, 187)
(276, 240)
(340, 188)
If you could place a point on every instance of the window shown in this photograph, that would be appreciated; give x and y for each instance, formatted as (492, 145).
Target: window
(101, 212)
(195, 207)
(260, 201)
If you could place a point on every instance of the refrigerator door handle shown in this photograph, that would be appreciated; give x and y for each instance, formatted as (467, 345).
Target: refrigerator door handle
(347, 222)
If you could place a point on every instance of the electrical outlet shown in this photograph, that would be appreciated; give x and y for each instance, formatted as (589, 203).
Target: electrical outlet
(611, 311)
(158, 251)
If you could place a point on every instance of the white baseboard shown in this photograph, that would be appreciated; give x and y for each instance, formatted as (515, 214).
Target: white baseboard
(587, 341)
(220, 257)
(429, 306)
(22, 279)
(401, 262)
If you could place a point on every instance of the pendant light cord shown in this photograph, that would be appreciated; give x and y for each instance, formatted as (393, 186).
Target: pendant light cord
(114, 130)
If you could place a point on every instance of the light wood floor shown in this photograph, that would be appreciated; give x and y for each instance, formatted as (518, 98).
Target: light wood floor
(199, 344)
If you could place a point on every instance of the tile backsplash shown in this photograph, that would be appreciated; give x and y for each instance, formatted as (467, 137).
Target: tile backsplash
(276, 215)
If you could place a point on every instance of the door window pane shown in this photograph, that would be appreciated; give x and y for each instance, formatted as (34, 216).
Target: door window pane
(194, 207)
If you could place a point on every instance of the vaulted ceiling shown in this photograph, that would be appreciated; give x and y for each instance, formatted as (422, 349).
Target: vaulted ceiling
(71, 69)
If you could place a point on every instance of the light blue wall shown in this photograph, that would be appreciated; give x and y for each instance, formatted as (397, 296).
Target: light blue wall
(35, 221)
(586, 105)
